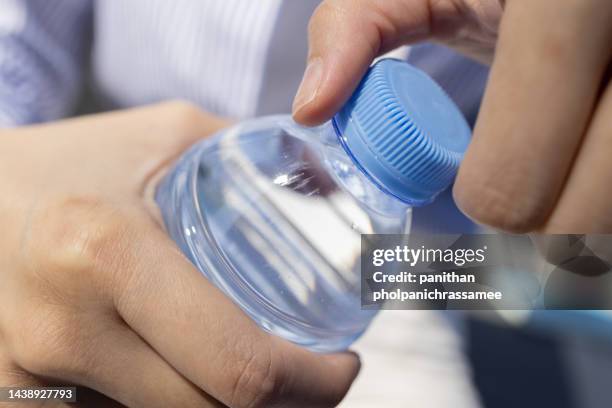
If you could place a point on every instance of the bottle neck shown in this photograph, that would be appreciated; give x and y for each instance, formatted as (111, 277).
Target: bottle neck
(352, 178)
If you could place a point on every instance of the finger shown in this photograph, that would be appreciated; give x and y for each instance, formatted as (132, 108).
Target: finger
(314, 380)
(142, 139)
(103, 354)
(121, 365)
(205, 337)
(344, 37)
(542, 89)
(584, 205)
(13, 376)
(157, 135)
(164, 127)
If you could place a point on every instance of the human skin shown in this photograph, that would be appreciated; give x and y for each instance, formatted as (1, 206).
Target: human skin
(539, 159)
(93, 292)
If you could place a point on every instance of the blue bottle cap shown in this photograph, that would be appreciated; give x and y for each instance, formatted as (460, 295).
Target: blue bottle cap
(403, 131)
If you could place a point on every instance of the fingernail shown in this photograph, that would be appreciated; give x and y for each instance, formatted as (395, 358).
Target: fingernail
(310, 84)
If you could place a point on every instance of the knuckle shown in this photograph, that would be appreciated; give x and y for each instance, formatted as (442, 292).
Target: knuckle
(74, 235)
(256, 380)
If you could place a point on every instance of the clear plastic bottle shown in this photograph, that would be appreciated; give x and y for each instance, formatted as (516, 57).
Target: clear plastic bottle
(271, 212)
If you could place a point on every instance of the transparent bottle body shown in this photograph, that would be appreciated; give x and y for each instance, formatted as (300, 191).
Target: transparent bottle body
(272, 213)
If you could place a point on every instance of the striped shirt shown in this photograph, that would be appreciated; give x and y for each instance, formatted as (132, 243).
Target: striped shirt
(235, 58)
(218, 54)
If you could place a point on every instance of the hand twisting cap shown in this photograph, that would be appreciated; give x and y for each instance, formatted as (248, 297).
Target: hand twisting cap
(403, 131)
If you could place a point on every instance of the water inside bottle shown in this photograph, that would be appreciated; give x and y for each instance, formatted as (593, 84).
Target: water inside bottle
(285, 212)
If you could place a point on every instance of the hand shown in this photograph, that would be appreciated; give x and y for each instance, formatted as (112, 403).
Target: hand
(539, 158)
(93, 292)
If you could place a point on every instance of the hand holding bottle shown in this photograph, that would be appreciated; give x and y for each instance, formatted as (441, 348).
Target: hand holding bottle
(93, 292)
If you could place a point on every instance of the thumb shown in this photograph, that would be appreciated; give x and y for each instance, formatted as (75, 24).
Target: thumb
(314, 379)
(344, 37)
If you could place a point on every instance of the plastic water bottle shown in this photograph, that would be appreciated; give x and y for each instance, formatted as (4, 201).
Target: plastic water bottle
(271, 212)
